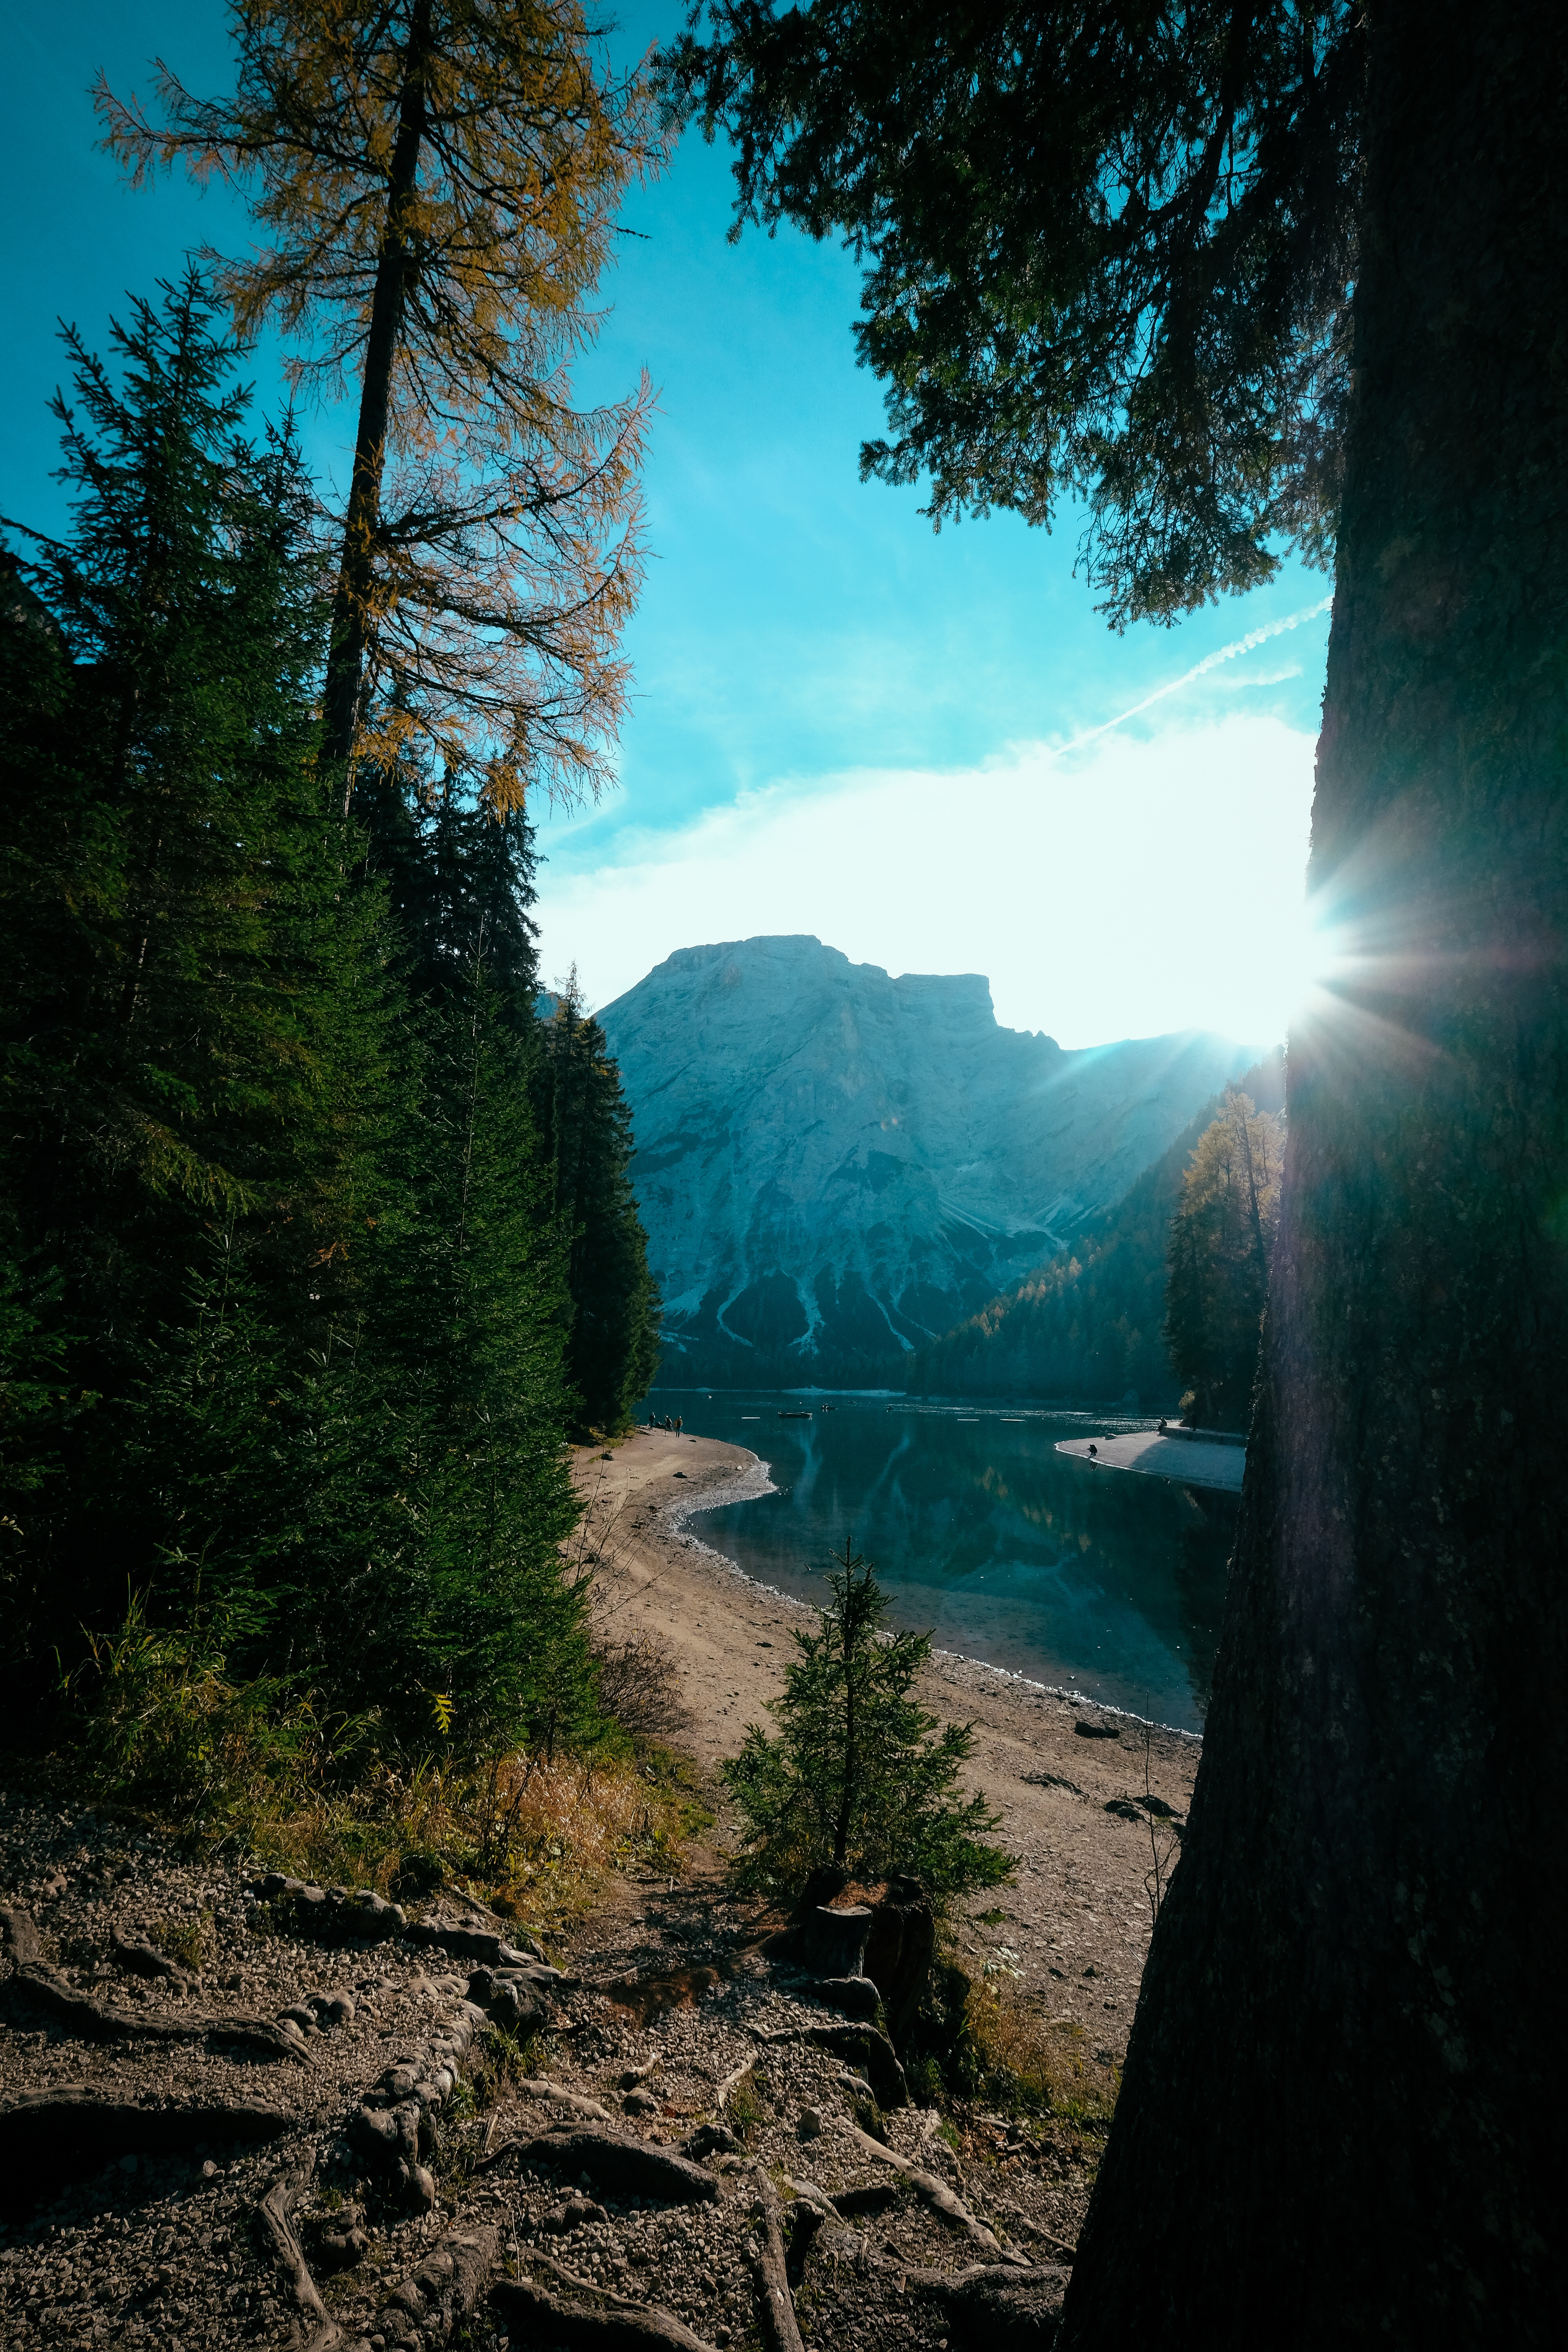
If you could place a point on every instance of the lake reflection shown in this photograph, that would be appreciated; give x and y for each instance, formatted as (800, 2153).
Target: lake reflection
(1086, 1579)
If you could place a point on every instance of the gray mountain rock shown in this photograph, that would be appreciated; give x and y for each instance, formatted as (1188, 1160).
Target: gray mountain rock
(833, 1165)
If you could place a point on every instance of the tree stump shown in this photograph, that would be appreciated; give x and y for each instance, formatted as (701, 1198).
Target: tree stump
(834, 1942)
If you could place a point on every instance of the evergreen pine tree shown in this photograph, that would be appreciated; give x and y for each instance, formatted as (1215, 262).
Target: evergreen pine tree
(856, 1776)
(1087, 1324)
(452, 868)
(397, 1485)
(287, 1302)
(467, 1597)
(184, 1047)
(1222, 1236)
(614, 1351)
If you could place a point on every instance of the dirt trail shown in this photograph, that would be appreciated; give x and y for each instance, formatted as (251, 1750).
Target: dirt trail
(318, 2138)
(395, 2169)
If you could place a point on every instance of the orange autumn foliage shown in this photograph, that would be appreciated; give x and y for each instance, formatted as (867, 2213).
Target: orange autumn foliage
(436, 183)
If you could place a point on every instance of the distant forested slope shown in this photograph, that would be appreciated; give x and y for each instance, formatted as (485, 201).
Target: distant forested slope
(1089, 1324)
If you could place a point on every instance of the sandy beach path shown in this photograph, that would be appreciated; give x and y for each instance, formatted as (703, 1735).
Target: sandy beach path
(1076, 1923)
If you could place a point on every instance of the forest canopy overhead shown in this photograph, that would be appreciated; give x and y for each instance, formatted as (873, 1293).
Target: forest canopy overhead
(1110, 253)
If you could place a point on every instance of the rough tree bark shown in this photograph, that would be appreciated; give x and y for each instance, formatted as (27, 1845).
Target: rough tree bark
(1346, 2077)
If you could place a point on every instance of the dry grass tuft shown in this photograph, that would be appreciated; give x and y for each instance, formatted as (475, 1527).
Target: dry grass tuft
(533, 1839)
(254, 1769)
(639, 1683)
(1034, 2063)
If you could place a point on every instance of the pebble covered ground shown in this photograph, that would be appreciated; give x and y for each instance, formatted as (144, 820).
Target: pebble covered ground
(184, 2165)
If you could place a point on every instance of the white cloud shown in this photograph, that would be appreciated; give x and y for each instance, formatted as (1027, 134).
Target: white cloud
(1118, 890)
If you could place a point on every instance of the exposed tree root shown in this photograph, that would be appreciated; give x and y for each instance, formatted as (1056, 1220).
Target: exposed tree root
(936, 2194)
(442, 2291)
(781, 2330)
(275, 2217)
(1057, 2250)
(996, 2308)
(863, 2045)
(852, 2203)
(537, 2316)
(476, 1944)
(615, 2161)
(141, 1960)
(96, 2020)
(571, 2103)
(731, 2081)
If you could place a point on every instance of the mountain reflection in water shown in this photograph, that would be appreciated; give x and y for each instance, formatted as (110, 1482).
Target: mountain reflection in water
(1086, 1579)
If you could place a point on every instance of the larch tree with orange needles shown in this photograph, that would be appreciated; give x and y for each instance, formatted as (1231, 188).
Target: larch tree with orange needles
(437, 181)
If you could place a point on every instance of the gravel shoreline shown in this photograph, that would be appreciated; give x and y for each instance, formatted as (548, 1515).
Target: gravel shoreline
(1075, 1926)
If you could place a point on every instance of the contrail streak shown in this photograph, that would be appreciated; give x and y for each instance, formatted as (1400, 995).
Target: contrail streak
(1210, 661)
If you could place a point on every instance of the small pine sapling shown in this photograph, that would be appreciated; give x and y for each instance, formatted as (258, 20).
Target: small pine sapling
(859, 1774)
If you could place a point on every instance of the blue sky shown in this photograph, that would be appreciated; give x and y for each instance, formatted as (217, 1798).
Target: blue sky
(845, 723)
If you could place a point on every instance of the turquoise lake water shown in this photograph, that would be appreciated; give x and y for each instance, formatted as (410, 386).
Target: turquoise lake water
(1084, 1578)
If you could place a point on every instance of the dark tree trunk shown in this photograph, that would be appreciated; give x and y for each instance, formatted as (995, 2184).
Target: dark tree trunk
(356, 567)
(1340, 2117)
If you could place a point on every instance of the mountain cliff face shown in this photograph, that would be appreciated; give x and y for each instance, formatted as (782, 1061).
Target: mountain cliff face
(833, 1166)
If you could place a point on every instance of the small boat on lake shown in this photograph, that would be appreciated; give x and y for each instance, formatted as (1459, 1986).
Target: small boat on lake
(786, 1415)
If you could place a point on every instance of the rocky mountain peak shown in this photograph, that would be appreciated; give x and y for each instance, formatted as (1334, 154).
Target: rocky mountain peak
(835, 1163)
